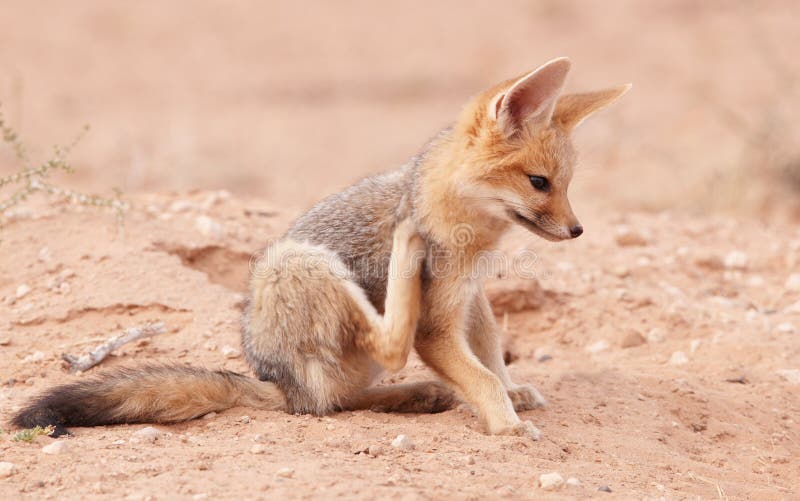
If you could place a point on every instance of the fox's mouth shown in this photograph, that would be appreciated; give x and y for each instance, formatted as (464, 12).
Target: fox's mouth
(533, 227)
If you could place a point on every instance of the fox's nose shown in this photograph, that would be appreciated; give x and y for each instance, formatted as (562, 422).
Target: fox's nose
(576, 231)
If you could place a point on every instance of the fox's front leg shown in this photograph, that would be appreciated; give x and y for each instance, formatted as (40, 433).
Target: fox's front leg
(442, 345)
(483, 335)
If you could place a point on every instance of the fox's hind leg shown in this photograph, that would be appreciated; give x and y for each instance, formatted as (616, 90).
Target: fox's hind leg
(390, 337)
(427, 397)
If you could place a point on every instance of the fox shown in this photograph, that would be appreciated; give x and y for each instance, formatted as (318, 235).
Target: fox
(370, 273)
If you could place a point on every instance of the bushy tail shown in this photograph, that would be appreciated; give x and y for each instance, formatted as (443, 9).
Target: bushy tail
(146, 394)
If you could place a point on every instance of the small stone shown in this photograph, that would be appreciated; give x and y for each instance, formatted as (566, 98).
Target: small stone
(44, 255)
(736, 260)
(604, 488)
(118, 442)
(656, 335)
(260, 439)
(23, 291)
(694, 345)
(790, 375)
(786, 328)
(258, 449)
(626, 237)
(285, 473)
(200, 496)
(230, 352)
(375, 450)
(5, 341)
(573, 482)
(210, 415)
(541, 355)
(678, 358)
(182, 206)
(146, 434)
(57, 447)
(36, 356)
(632, 339)
(793, 282)
(245, 419)
(597, 347)
(7, 469)
(794, 308)
(470, 460)
(621, 271)
(551, 481)
(208, 227)
(403, 442)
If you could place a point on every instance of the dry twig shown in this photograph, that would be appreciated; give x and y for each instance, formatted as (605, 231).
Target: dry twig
(94, 357)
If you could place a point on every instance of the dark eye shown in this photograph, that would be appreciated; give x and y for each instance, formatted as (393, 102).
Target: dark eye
(540, 183)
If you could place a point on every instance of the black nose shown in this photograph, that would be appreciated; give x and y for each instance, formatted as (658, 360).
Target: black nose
(576, 231)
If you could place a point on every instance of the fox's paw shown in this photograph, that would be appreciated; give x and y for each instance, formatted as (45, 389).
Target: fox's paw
(435, 397)
(525, 397)
(522, 429)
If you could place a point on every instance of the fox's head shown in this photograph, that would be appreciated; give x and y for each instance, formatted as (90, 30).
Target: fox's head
(517, 155)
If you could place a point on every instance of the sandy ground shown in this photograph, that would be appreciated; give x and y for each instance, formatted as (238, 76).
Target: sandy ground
(643, 341)
(666, 338)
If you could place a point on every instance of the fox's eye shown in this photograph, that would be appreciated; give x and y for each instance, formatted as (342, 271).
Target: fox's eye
(540, 183)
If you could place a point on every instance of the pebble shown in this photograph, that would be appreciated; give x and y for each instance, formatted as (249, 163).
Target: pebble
(182, 206)
(23, 291)
(573, 482)
(210, 415)
(403, 442)
(604, 488)
(786, 328)
(795, 308)
(57, 447)
(656, 335)
(285, 473)
(790, 375)
(694, 345)
(230, 352)
(541, 354)
(208, 227)
(146, 434)
(793, 282)
(678, 358)
(736, 260)
(551, 481)
(5, 341)
(375, 450)
(7, 469)
(627, 237)
(597, 347)
(36, 356)
(632, 339)
(258, 449)
(44, 254)
(245, 419)
(469, 460)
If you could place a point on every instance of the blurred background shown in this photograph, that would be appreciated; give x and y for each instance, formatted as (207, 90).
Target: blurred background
(291, 101)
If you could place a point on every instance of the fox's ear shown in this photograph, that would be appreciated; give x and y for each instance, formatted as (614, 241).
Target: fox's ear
(572, 109)
(531, 99)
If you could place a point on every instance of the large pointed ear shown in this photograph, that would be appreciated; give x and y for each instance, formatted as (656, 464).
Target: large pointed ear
(572, 109)
(531, 99)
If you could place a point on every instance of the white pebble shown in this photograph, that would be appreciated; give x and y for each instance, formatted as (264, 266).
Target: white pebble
(736, 259)
(678, 358)
(793, 282)
(786, 328)
(44, 255)
(36, 356)
(656, 335)
(57, 447)
(599, 346)
(245, 419)
(258, 449)
(551, 481)
(573, 482)
(7, 469)
(146, 434)
(23, 290)
(794, 308)
(403, 442)
(285, 473)
(694, 345)
(790, 375)
(230, 352)
(210, 415)
(469, 460)
(208, 227)
(375, 450)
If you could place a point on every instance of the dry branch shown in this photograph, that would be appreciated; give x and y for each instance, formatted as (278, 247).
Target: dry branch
(94, 357)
